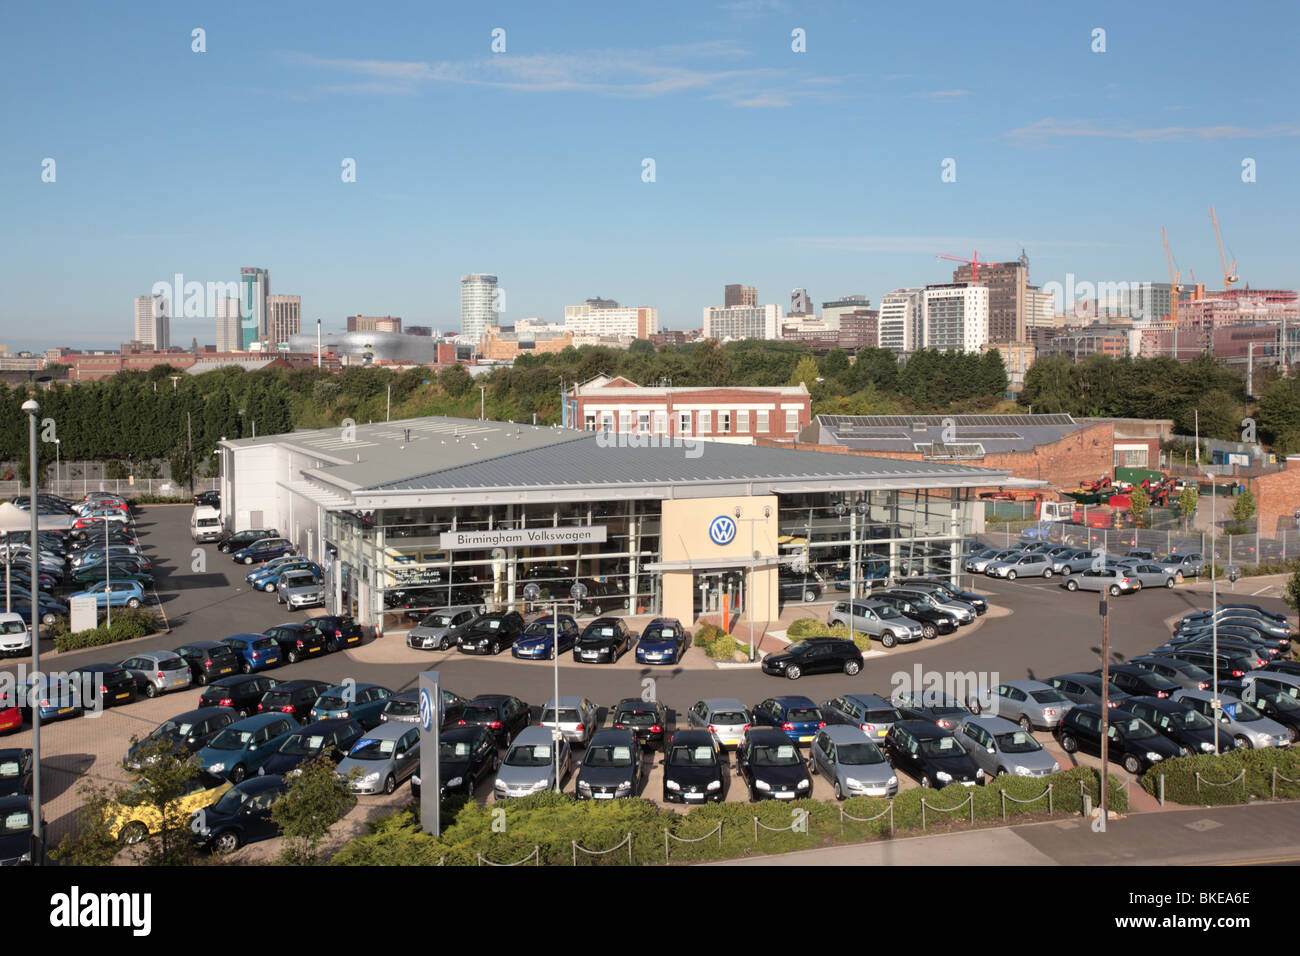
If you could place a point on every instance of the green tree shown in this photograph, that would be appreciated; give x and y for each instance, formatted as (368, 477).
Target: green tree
(806, 372)
(455, 380)
(90, 842)
(641, 347)
(1187, 503)
(878, 367)
(313, 801)
(992, 374)
(1139, 505)
(1279, 415)
(1243, 509)
(1292, 595)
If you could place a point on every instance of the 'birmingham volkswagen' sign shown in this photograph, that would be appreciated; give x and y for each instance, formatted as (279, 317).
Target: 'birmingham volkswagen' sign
(522, 538)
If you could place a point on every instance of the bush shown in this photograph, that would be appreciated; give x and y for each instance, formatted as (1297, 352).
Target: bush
(127, 625)
(707, 634)
(722, 648)
(1217, 770)
(806, 627)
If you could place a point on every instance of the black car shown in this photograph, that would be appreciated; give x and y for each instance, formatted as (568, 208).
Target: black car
(1240, 631)
(604, 639)
(418, 602)
(210, 499)
(612, 767)
(208, 660)
(771, 766)
(1140, 682)
(404, 707)
(334, 737)
(647, 719)
(1269, 628)
(798, 587)
(931, 707)
(337, 630)
(931, 755)
(241, 815)
(1229, 664)
(299, 640)
(1255, 652)
(1280, 706)
(943, 589)
(1189, 729)
(185, 733)
(500, 714)
(1183, 673)
(241, 692)
(115, 684)
(490, 633)
(242, 539)
(15, 771)
(933, 622)
(296, 697)
(815, 655)
(693, 770)
(1284, 667)
(466, 757)
(16, 830)
(601, 596)
(1133, 742)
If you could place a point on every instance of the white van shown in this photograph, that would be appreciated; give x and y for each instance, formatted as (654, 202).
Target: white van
(15, 638)
(205, 524)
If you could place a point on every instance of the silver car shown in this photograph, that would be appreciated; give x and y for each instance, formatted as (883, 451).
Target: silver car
(577, 718)
(978, 564)
(999, 747)
(852, 764)
(1023, 565)
(157, 672)
(1030, 703)
(529, 764)
(1112, 579)
(1071, 560)
(724, 717)
(438, 628)
(1189, 565)
(963, 612)
(877, 619)
(384, 757)
(870, 713)
(1249, 727)
(1149, 575)
(297, 589)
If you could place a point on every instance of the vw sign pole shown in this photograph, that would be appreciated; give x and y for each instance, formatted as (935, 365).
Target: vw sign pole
(430, 744)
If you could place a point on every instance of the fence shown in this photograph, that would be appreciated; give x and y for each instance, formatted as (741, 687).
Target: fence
(77, 487)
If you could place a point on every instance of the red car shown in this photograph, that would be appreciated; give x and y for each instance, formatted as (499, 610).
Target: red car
(11, 716)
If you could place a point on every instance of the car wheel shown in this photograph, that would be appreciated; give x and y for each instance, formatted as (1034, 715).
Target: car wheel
(245, 668)
(809, 596)
(1114, 590)
(268, 587)
(1169, 582)
(243, 712)
(150, 690)
(852, 667)
(390, 784)
(1178, 576)
(202, 679)
(1026, 724)
(49, 619)
(925, 781)
(973, 705)
(239, 774)
(839, 791)
(292, 656)
(888, 639)
(553, 652)
(133, 602)
(134, 832)
(1132, 765)
(812, 767)
(248, 560)
(496, 762)
(794, 673)
(1047, 572)
(227, 841)
(1001, 772)
(496, 648)
(444, 644)
(1069, 744)
(1072, 585)
(1243, 743)
(1011, 575)
(929, 632)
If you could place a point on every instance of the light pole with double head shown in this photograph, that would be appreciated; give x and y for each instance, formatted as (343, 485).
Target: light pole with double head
(33, 408)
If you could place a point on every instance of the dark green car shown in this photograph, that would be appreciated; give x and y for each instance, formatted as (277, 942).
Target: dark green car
(93, 575)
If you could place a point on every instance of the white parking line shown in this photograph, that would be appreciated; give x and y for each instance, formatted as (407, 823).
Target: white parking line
(1261, 591)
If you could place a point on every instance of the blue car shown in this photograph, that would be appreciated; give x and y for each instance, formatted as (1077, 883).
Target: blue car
(263, 550)
(267, 577)
(360, 702)
(55, 696)
(663, 641)
(244, 746)
(254, 651)
(50, 610)
(799, 717)
(113, 593)
(537, 642)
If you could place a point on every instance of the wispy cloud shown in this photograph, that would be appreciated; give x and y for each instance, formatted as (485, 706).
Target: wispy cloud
(1048, 130)
(940, 95)
(716, 69)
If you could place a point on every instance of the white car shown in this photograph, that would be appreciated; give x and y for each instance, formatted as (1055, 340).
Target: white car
(15, 638)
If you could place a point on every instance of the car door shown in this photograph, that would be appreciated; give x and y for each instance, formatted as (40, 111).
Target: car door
(822, 755)
(407, 754)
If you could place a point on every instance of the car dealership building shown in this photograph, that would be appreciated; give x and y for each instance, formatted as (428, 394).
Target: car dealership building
(647, 525)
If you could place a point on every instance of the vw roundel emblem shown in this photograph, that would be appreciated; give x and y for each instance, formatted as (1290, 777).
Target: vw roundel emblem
(426, 710)
(722, 530)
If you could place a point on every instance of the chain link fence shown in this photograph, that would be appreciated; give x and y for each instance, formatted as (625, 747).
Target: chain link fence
(1251, 549)
(78, 488)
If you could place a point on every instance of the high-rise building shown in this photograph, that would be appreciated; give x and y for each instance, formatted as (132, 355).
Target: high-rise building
(374, 323)
(740, 295)
(742, 322)
(956, 317)
(800, 302)
(227, 316)
(416, 329)
(1006, 282)
(152, 324)
(608, 318)
(254, 287)
(900, 324)
(1040, 309)
(283, 318)
(478, 305)
(831, 311)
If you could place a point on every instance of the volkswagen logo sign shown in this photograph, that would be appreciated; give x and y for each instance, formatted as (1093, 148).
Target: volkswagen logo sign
(722, 530)
(426, 710)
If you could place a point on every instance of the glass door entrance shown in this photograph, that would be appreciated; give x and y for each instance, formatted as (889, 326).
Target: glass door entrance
(724, 586)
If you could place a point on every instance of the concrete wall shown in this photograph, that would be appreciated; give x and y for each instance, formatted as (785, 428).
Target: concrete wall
(685, 537)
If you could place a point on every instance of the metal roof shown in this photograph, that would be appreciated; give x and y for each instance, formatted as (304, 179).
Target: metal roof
(906, 433)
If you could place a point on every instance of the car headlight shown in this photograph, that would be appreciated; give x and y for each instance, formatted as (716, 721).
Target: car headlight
(979, 774)
(763, 785)
(370, 777)
(714, 785)
(624, 788)
(1184, 752)
(584, 787)
(893, 781)
(1153, 756)
(1023, 771)
(500, 786)
(944, 776)
(804, 784)
(455, 781)
(673, 785)
(217, 767)
(850, 782)
(1207, 747)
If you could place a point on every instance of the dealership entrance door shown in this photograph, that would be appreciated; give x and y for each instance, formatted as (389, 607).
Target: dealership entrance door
(717, 586)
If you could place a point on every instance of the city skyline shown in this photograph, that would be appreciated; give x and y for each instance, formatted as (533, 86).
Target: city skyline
(1078, 157)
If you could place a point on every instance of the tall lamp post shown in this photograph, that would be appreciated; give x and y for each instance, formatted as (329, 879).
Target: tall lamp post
(1215, 702)
(533, 594)
(33, 408)
(749, 596)
(842, 509)
(58, 443)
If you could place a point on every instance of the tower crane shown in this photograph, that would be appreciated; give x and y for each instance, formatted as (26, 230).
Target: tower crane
(973, 263)
(1229, 271)
(1174, 275)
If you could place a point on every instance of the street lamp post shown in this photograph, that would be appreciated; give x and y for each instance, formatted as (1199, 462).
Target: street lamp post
(749, 596)
(33, 408)
(1214, 606)
(58, 442)
(860, 508)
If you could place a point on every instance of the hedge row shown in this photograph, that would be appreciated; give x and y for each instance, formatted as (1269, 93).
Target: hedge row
(552, 821)
(1217, 770)
(806, 627)
(127, 625)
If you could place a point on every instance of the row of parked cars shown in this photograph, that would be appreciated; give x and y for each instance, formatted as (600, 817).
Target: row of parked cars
(1084, 569)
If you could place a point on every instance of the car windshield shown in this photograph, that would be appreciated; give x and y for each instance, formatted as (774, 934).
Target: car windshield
(231, 739)
(1187, 719)
(1017, 742)
(803, 714)
(540, 629)
(330, 702)
(887, 613)
(941, 747)
(529, 755)
(277, 698)
(400, 707)
(1281, 700)
(608, 755)
(1135, 728)
(636, 718)
(369, 748)
(437, 620)
(479, 714)
(1245, 713)
(173, 729)
(302, 745)
(568, 715)
(780, 755)
(686, 756)
(231, 801)
(728, 718)
(9, 768)
(454, 750)
(594, 634)
(13, 627)
(16, 821)
(665, 633)
(862, 753)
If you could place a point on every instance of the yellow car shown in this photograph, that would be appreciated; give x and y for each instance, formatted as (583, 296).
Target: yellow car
(132, 823)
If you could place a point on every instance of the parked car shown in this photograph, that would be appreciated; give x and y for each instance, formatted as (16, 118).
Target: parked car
(333, 737)
(209, 499)
(1249, 728)
(299, 589)
(15, 771)
(1280, 706)
(771, 765)
(1072, 560)
(185, 733)
(979, 563)
(663, 641)
(239, 816)
(878, 620)
(933, 621)
(1229, 608)
(340, 631)
(1140, 682)
(605, 639)
(405, 706)
(1182, 673)
(1023, 565)
(360, 702)
(490, 633)
(384, 757)
(611, 766)
(871, 714)
(931, 755)
(799, 717)
(852, 763)
(724, 717)
(1112, 579)
(1151, 575)
(242, 539)
(437, 630)
(942, 589)
(646, 719)
(263, 549)
(293, 697)
(1133, 742)
(418, 602)
(814, 655)
(132, 819)
(501, 714)
(1030, 703)
(113, 593)
(1190, 730)
(537, 641)
(241, 692)
(298, 641)
(240, 749)
(1086, 689)
(15, 636)
(266, 577)
(1188, 565)
(92, 575)
(576, 718)
(115, 684)
(932, 707)
(1001, 747)
(798, 587)
(1228, 664)
(694, 772)
(253, 651)
(158, 672)
(466, 757)
(529, 765)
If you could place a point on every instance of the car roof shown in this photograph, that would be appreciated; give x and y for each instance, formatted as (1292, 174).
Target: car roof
(532, 735)
(794, 700)
(299, 684)
(344, 687)
(774, 734)
(1157, 703)
(257, 784)
(470, 732)
(636, 703)
(610, 735)
(873, 700)
(994, 725)
(244, 637)
(205, 645)
(490, 698)
(389, 731)
(259, 720)
(723, 703)
(333, 723)
(566, 700)
(922, 728)
(843, 734)
(607, 619)
(1028, 685)
(692, 737)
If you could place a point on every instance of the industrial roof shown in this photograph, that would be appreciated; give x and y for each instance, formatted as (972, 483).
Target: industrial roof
(907, 433)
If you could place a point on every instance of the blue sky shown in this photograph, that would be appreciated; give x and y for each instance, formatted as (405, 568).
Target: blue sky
(773, 168)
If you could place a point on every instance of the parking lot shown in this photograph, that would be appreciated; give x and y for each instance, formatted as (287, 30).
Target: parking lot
(1038, 630)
